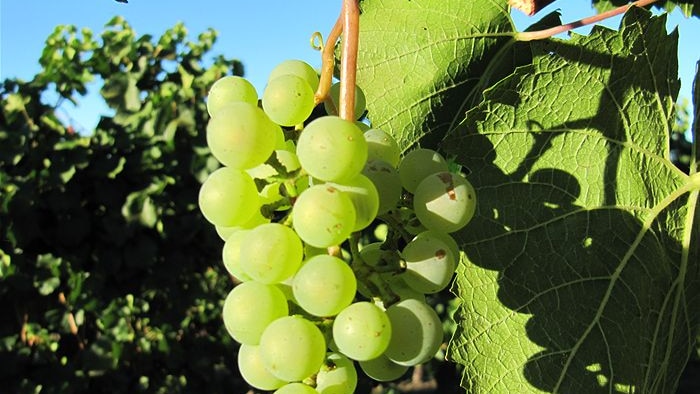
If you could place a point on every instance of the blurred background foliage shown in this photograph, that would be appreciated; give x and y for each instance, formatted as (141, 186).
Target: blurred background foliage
(110, 278)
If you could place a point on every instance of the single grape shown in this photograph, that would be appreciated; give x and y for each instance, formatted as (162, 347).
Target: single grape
(271, 253)
(332, 149)
(288, 100)
(444, 202)
(331, 104)
(386, 180)
(420, 335)
(382, 369)
(324, 285)
(362, 331)
(296, 388)
(228, 197)
(430, 263)
(230, 89)
(323, 216)
(292, 348)
(231, 255)
(364, 197)
(241, 135)
(382, 146)
(418, 164)
(250, 307)
(254, 372)
(296, 67)
(337, 375)
(449, 241)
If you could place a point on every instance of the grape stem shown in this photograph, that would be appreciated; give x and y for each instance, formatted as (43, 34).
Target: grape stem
(347, 25)
(328, 63)
(348, 62)
(546, 33)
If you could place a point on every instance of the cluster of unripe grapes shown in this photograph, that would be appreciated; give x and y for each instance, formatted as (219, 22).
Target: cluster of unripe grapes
(294, 201)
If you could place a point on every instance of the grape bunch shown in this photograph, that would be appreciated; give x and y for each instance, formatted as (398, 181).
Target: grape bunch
(334, 238)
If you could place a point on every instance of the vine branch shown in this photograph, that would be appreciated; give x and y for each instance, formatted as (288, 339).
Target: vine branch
(348, 62)
(347, 25)
(328, 62)
(546, 33)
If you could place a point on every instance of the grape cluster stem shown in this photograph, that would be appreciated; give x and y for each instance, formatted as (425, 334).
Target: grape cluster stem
(546, 33)
(347, 25)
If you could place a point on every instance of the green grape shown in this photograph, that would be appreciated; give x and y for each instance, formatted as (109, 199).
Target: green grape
(241, 135)
(292, 348)
(382, 146)
(287, 159)
(228, 197)
(337, 375)
(449, 241)
(418, 164)
(250, 307)
(296, 388)
(288, 100)
(382, 369)
(429, 263)
(420, 336)
(332, 149)
(271, 253)
(364, 197)
(323, 216)
(230, 89)
(324, 285)
(254, 372)
(331, 104)
(362, 331)
(231, 255)
(386, 180)
(299, 68)
(444, 202)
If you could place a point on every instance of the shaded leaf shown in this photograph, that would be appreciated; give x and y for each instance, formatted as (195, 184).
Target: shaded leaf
(582, 269)
(425, 62)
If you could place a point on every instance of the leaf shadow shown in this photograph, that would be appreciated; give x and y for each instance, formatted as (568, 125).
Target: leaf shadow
(558, 262)
(600, 313)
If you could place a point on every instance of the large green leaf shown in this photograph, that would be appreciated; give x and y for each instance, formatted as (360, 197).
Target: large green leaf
(582, 264)
(424, 61)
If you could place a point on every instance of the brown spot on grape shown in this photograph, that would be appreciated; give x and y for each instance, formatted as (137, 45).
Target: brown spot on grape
(446, 178)
(440, 254)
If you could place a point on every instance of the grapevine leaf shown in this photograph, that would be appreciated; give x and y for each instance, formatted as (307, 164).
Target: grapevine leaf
(582, 266)
(423, 61)
(688, 7)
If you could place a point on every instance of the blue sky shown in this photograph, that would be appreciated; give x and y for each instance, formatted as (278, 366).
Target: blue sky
(259, 33)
